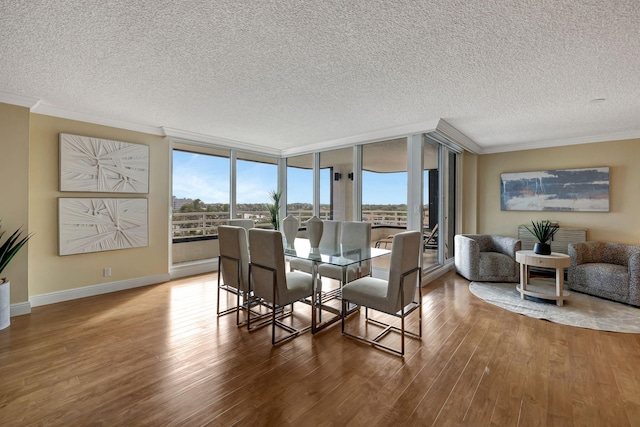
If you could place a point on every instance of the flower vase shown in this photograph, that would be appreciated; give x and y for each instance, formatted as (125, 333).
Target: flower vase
(290, 229)
(314, 231)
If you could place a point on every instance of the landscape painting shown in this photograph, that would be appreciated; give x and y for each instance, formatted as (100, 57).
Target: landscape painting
(577, 190)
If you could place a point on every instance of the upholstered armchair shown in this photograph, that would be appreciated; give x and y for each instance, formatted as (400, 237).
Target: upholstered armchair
(606, 269)
(487, 258)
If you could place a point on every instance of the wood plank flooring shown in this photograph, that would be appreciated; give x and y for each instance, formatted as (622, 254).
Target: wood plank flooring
(159, 356)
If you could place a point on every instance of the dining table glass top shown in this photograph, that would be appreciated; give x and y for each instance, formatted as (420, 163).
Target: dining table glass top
(340, 254)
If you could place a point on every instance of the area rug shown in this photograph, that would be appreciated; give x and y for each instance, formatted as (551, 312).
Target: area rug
(579, 310)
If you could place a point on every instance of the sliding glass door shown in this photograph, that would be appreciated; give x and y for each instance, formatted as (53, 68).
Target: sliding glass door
(431, 203)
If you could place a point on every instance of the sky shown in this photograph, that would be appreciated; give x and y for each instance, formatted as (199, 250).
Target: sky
(204, 177)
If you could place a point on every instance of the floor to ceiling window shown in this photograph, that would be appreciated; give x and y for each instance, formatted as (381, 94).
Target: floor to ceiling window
(200, 200)
(256, 177)
(374, 182)
(300, 187)
(384, 187)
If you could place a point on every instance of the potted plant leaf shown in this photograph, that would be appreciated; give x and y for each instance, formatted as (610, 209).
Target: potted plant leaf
(274, 209)
(543, 231)
(8, 250)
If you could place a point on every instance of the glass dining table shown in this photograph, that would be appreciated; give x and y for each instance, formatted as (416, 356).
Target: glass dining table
(341, 255)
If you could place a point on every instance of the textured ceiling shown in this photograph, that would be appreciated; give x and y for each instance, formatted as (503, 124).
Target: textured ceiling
(289, 74)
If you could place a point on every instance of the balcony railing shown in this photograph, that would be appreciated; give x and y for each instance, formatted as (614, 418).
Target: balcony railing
(198, 224)
(389, 218)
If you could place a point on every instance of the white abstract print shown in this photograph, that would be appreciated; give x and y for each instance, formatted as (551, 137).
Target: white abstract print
(94, 225)
(102, 165)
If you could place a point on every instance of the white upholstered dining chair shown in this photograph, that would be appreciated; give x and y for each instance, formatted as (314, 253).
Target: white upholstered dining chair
(272, 286)
(396, 296)
(233, 266)
(244, 223)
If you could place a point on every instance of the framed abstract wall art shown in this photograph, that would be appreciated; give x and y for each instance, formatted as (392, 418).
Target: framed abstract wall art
(102, 165)
(96, 225)
(576, 190)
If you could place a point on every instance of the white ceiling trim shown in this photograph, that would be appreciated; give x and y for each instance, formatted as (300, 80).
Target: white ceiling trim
(201, 139)
(51, 110)
(37, 106)
(619, 136)
(366, 138)
(19, 100)
(458, 137)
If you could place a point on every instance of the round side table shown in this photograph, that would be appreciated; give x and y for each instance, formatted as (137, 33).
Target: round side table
(556, 260)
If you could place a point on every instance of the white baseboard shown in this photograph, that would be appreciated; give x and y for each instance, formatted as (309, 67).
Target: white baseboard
(176, 272)
(434, 274)
(430, 276)
(193, 268)
(103, 288)
(20, 308)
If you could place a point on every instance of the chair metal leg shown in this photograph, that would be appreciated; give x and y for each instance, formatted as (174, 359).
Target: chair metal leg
(273, 311)
(343, 314)
(277, 312)
(238, 310)
(218, 299)
(402, 318)
(415, 305)
(420, 303)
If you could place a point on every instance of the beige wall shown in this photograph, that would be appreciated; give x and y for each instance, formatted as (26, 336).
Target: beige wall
(620, 224)
(469, 190)
(14, 191)
(49, 272)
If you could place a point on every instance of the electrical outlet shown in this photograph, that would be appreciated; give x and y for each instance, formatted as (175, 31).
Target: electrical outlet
(107, 271)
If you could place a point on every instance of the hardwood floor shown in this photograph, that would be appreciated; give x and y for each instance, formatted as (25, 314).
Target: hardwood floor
(158, 355)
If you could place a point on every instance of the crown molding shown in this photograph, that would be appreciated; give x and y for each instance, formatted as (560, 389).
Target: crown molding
(458, 137)
(617, 136)
(51, 110)
(19, 100)
(195, 138)
(37, 106)
(365, 138)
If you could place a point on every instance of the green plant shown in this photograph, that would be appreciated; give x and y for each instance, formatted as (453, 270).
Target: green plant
(274, 209)
(543, 231)
(10, 248)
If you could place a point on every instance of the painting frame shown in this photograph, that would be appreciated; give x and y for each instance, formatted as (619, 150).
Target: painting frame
(87, 225)
(90, 164)
(556, 190)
